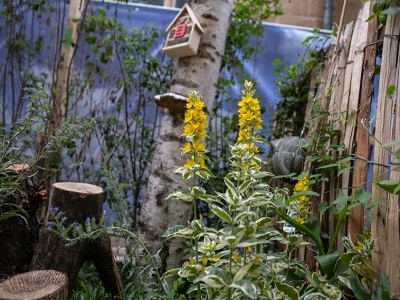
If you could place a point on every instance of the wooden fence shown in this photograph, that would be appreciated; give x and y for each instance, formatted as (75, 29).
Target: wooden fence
(346, 90)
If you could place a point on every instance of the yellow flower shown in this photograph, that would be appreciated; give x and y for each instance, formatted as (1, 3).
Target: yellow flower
(249, 249)
(205, 261)
(191, 261)
(300, 220)
(249, 113)
(236, 257)
(358, 246)
(195, 131)
(257, 259)
(201, 217)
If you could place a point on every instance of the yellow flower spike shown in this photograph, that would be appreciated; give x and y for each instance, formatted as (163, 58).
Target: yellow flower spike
(249, 112)
(195, 131)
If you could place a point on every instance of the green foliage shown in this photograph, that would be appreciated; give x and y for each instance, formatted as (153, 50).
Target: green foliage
(12, 144)
(382, 8)
(89, 285)
(239, 258)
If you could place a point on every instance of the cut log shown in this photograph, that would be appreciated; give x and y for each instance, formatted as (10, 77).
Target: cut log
(35, 285)
(78, 202)
(19, 232)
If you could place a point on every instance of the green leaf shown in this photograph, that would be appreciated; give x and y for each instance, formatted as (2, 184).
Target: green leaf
(246, 286)
(249, 243)
(262, 174)
(390, 186)
(68, 37)
(390, 90)
(228, 239)
(212, 281)
(231, 196)
(244, 186)
(362, 196)
(178, 230)
(357, 288)
(91, 39)
(242, 272)
(171, 272)
(328, 166)
(374, 203)
(390, 144)
(184, 196)
(328, 262)
(316, 296)
(221, 213)
(288, 290)
(342, 170)
(243, 215)
(344, 263)
(300, 194)
(197, 192)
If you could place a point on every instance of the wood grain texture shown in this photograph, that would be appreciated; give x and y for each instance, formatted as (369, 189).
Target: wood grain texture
(35, 285)
(384, 214)
(362, 143)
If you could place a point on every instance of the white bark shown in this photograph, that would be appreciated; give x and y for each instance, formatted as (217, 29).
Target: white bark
(196, 73)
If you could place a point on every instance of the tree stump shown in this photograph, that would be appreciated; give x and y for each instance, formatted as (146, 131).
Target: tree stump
(35, 285)
(78, 202)
(18, 234)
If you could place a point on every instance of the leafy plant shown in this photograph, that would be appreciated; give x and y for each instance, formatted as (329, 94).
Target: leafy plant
(11, 155)
(240, 259)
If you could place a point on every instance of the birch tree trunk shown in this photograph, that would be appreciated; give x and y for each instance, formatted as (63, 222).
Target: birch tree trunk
(195, 73)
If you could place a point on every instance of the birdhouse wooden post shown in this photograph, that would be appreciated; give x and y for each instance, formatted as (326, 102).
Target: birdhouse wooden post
(183, 34)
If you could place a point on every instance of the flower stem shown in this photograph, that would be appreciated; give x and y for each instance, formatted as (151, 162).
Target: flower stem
(318, 243)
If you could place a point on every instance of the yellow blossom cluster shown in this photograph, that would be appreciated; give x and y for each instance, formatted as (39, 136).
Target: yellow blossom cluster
(302, 204)
(195, 131)
(249, 122)
(249, 113)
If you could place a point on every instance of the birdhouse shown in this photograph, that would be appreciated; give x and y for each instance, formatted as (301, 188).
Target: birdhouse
(183, 34)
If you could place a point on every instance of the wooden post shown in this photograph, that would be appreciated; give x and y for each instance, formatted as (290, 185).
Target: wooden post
(393, 225)
(384, 219)
(35, 285)
(78, 202)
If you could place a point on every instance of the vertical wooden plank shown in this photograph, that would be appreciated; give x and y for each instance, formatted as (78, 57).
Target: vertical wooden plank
(354, 80)
(340, 72)
(392, 227)
(337, 100)
(382, 255)
(356, 218)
